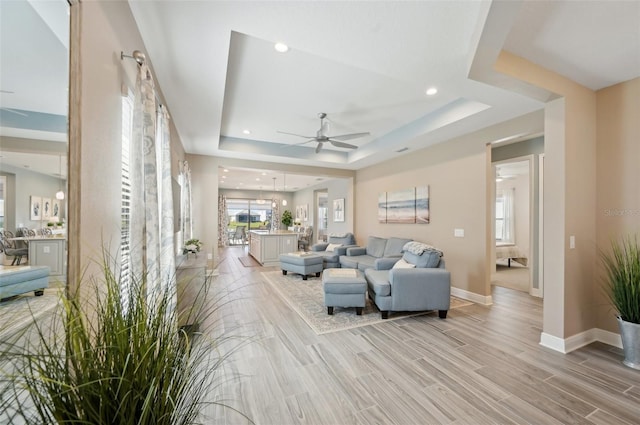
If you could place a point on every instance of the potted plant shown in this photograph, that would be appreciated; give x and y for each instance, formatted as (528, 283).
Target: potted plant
(192, 246)
(286, 218)
(622, 267)
(118, 359)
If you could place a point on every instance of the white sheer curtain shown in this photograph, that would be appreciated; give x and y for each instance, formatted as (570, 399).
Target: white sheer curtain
(151, 192)
(185, 200)
(508, 196)
(167, 254)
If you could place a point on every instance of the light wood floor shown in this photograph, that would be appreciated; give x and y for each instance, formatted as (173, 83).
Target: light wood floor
(482, 365)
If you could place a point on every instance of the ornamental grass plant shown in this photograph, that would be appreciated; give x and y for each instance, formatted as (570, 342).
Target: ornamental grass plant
(120, 359)
(622, 268)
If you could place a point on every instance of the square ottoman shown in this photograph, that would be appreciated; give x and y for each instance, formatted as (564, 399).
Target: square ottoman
(344, 288)
(19, 280)
(303, 263)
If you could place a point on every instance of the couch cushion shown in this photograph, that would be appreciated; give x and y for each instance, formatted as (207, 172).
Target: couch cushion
(375, 246)
(343, 239)
(378, 281)
(394, 246)
(332, 246)
(402, 264)
(366, 262)
(427, 259)
(329, 256)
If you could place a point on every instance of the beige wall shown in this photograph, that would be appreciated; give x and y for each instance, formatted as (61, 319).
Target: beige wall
(106, 28)
(618, 175)
(458, 173)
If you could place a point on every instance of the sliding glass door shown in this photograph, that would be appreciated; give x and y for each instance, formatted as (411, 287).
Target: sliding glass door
(245, 215)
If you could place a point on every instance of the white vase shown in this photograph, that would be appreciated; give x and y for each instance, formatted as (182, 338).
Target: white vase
(630, 333)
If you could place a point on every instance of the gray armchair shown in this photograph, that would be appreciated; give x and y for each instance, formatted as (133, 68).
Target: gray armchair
(304, 241)
(426, 286)
(331, 259)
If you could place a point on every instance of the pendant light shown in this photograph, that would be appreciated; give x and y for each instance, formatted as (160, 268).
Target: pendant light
(260, 201)
(284, 189)
(60, 193)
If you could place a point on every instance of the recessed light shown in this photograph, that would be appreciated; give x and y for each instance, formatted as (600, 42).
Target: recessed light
(264, 174)
(281, 47)
(257, 179)
(431, 91)
(225, 170)
(245, 131)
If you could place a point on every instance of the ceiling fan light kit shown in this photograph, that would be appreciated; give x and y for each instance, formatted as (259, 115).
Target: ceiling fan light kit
(321, 136)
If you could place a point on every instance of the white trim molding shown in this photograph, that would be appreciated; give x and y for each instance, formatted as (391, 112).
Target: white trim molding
(472, 296)
(579, 340)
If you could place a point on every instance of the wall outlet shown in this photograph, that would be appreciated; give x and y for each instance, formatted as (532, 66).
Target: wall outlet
(458, 233)
(46, 249)
(572, 242)
(209, 256)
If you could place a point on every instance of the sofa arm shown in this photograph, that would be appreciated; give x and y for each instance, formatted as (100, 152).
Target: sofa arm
(342, 250)
(320, 246)
(411, 287)
(356, 250)
(385, 263)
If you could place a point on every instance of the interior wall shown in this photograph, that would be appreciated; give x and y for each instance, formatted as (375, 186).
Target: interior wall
(458, 173)
(618, 175)
(342, 188)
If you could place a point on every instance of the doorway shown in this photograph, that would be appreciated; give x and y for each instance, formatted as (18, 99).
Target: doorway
(514, 258)
(321, 216)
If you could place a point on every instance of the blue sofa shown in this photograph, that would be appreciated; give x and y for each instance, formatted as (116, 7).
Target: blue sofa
(331, 259)
(422, 284)
(380, 254)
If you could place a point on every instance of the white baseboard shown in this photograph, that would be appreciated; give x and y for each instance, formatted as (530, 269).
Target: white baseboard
(581, 339)
(472, 296)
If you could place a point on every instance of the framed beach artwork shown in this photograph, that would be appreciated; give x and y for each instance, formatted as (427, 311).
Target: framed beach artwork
(401, 206)
(382, 207)
(35, 208)
(338, 210)
(46, 208)
(422, 205)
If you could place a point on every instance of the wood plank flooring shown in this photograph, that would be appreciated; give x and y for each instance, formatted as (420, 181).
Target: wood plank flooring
(482, 365)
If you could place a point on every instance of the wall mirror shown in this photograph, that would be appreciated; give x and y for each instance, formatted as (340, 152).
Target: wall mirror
(34, 80)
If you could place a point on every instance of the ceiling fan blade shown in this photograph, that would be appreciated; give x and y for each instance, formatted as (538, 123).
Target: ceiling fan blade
(350, 136)
(318, 147)
(294, 134)
(342, 145)
(285, 145)
(13, 111)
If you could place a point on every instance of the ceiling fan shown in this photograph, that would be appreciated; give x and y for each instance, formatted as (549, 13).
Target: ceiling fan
(321, 136)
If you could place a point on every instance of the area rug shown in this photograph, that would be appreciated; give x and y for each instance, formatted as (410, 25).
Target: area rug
(18, 312)
(307, 299)
(249, 261)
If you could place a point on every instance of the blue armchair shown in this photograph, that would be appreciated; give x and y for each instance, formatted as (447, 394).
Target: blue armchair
(331, 259)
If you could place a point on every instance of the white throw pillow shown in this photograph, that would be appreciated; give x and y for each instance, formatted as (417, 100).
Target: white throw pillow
(332, 246)
(402, 264)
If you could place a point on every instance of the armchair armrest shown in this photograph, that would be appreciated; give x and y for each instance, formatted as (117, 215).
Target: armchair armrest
(385, 263)
(356, 250)
(320, 246)
(420, 285)
(342, 250)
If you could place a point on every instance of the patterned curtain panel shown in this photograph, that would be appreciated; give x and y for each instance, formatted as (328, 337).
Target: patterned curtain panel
(186, 219)
(145, 244)
(152, 253)
(223, 221)
(167, 254)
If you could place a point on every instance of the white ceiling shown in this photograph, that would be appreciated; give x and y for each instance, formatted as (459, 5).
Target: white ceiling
(366, 64)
